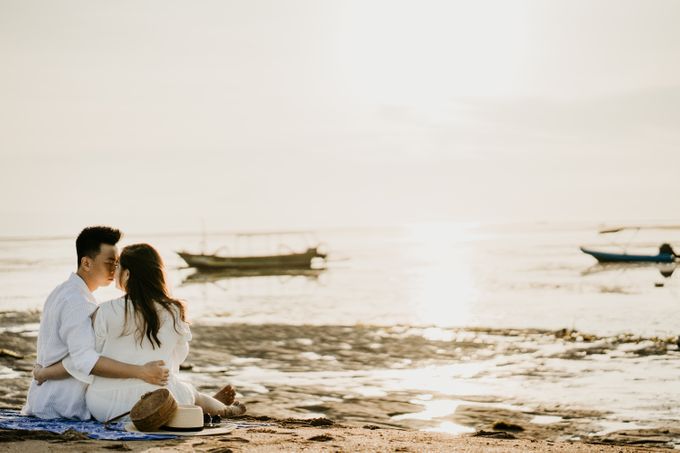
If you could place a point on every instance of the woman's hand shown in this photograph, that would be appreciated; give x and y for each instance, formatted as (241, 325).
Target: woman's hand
(38, 374)
(154, 373)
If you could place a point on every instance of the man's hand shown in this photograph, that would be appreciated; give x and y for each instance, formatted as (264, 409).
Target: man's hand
(37, 374)
(154, 373)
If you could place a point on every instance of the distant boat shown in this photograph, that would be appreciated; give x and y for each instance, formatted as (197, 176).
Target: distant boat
(607, 257)
(281, 261)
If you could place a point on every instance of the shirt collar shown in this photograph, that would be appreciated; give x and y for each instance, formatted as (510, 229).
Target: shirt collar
(80, 283)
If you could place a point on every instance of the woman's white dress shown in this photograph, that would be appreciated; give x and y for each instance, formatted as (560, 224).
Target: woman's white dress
(106, 397)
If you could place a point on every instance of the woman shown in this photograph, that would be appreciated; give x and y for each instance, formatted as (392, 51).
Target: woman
(145, 324)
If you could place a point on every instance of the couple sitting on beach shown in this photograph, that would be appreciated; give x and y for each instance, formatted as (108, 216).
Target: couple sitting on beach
(99, 360)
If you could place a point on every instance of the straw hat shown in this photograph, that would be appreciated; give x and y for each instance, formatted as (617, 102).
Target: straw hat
(185, 418)
(153, 410)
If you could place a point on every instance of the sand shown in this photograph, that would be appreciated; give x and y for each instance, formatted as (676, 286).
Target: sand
(292, 436)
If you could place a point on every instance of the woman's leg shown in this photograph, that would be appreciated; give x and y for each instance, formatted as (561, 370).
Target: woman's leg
(212, 406)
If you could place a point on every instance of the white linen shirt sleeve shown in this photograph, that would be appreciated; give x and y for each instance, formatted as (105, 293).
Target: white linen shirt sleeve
(100, 327)
(75, 330)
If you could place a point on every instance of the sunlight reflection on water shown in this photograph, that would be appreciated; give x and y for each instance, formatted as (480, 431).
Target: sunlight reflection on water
(450, 428)
(444, 288)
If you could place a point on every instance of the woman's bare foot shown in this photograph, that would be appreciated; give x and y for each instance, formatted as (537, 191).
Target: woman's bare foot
(226, 396)
(234, 410)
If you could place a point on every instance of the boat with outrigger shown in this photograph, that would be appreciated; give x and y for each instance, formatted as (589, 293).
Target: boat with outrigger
(665, 253)
(311, 257)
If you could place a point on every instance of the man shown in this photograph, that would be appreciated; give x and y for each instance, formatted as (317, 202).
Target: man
(66, 330)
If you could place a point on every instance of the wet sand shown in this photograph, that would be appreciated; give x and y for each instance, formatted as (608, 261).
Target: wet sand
(357, 423)
(289, 437)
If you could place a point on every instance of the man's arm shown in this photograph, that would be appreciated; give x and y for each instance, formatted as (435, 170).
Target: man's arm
(75, 329)
(151, 372)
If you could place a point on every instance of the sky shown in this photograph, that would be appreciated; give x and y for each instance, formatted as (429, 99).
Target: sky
(163, 116)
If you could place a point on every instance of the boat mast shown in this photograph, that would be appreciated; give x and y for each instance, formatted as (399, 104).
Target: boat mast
(203, 237)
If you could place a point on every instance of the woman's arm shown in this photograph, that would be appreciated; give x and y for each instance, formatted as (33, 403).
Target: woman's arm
(153, 372)
(50, 373)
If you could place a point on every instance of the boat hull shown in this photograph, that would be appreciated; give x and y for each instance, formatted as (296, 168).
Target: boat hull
(606, 257)
(287, 261)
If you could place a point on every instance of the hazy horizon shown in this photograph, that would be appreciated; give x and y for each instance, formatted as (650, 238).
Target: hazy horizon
(164, 115)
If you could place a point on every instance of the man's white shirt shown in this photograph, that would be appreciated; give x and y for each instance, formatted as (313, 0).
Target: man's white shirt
(65, 329)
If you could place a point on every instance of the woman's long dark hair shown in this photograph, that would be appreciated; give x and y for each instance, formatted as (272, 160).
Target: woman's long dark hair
(145, 288)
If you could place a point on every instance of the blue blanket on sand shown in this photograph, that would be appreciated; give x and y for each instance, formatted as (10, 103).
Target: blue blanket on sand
(12, 419)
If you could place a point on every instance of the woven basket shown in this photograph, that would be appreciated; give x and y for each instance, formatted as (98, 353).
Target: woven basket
(153, 410)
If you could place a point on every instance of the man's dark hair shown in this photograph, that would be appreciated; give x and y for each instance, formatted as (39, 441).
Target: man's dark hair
(89, 240)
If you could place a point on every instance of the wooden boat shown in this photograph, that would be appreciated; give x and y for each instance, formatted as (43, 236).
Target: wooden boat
(280, 261)
(607, 257)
